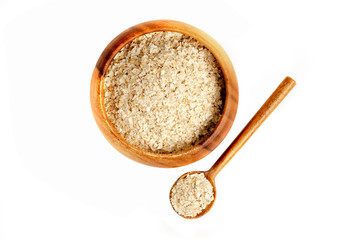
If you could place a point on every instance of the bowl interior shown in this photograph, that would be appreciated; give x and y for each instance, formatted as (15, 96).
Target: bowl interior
(167, 159)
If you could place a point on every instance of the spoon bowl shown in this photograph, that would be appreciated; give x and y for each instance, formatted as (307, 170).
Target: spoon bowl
(209, 206)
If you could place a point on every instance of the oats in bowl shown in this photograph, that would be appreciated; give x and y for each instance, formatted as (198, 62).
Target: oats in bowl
(164, 92)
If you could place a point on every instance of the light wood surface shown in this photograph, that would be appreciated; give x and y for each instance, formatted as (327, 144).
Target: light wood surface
(174, 159)
(267, 108)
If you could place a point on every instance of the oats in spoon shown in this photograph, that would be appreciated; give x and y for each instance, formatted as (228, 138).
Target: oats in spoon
(191, 195)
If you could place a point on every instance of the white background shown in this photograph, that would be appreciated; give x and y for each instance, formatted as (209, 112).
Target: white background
(296, 178)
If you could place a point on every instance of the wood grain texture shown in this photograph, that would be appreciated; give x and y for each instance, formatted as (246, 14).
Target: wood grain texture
(267, 108)
(153, 159)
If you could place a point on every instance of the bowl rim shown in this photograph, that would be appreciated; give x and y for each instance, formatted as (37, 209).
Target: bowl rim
(186, 156)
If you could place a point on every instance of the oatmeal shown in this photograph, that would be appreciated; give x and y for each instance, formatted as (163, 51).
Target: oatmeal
(164, 92)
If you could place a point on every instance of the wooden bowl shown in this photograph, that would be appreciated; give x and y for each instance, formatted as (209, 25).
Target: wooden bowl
(172, 159)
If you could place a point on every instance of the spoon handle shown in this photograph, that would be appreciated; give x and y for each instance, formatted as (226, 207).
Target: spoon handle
(267, 108)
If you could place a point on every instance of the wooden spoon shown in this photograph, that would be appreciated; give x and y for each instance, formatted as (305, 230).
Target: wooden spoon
(267, 108)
